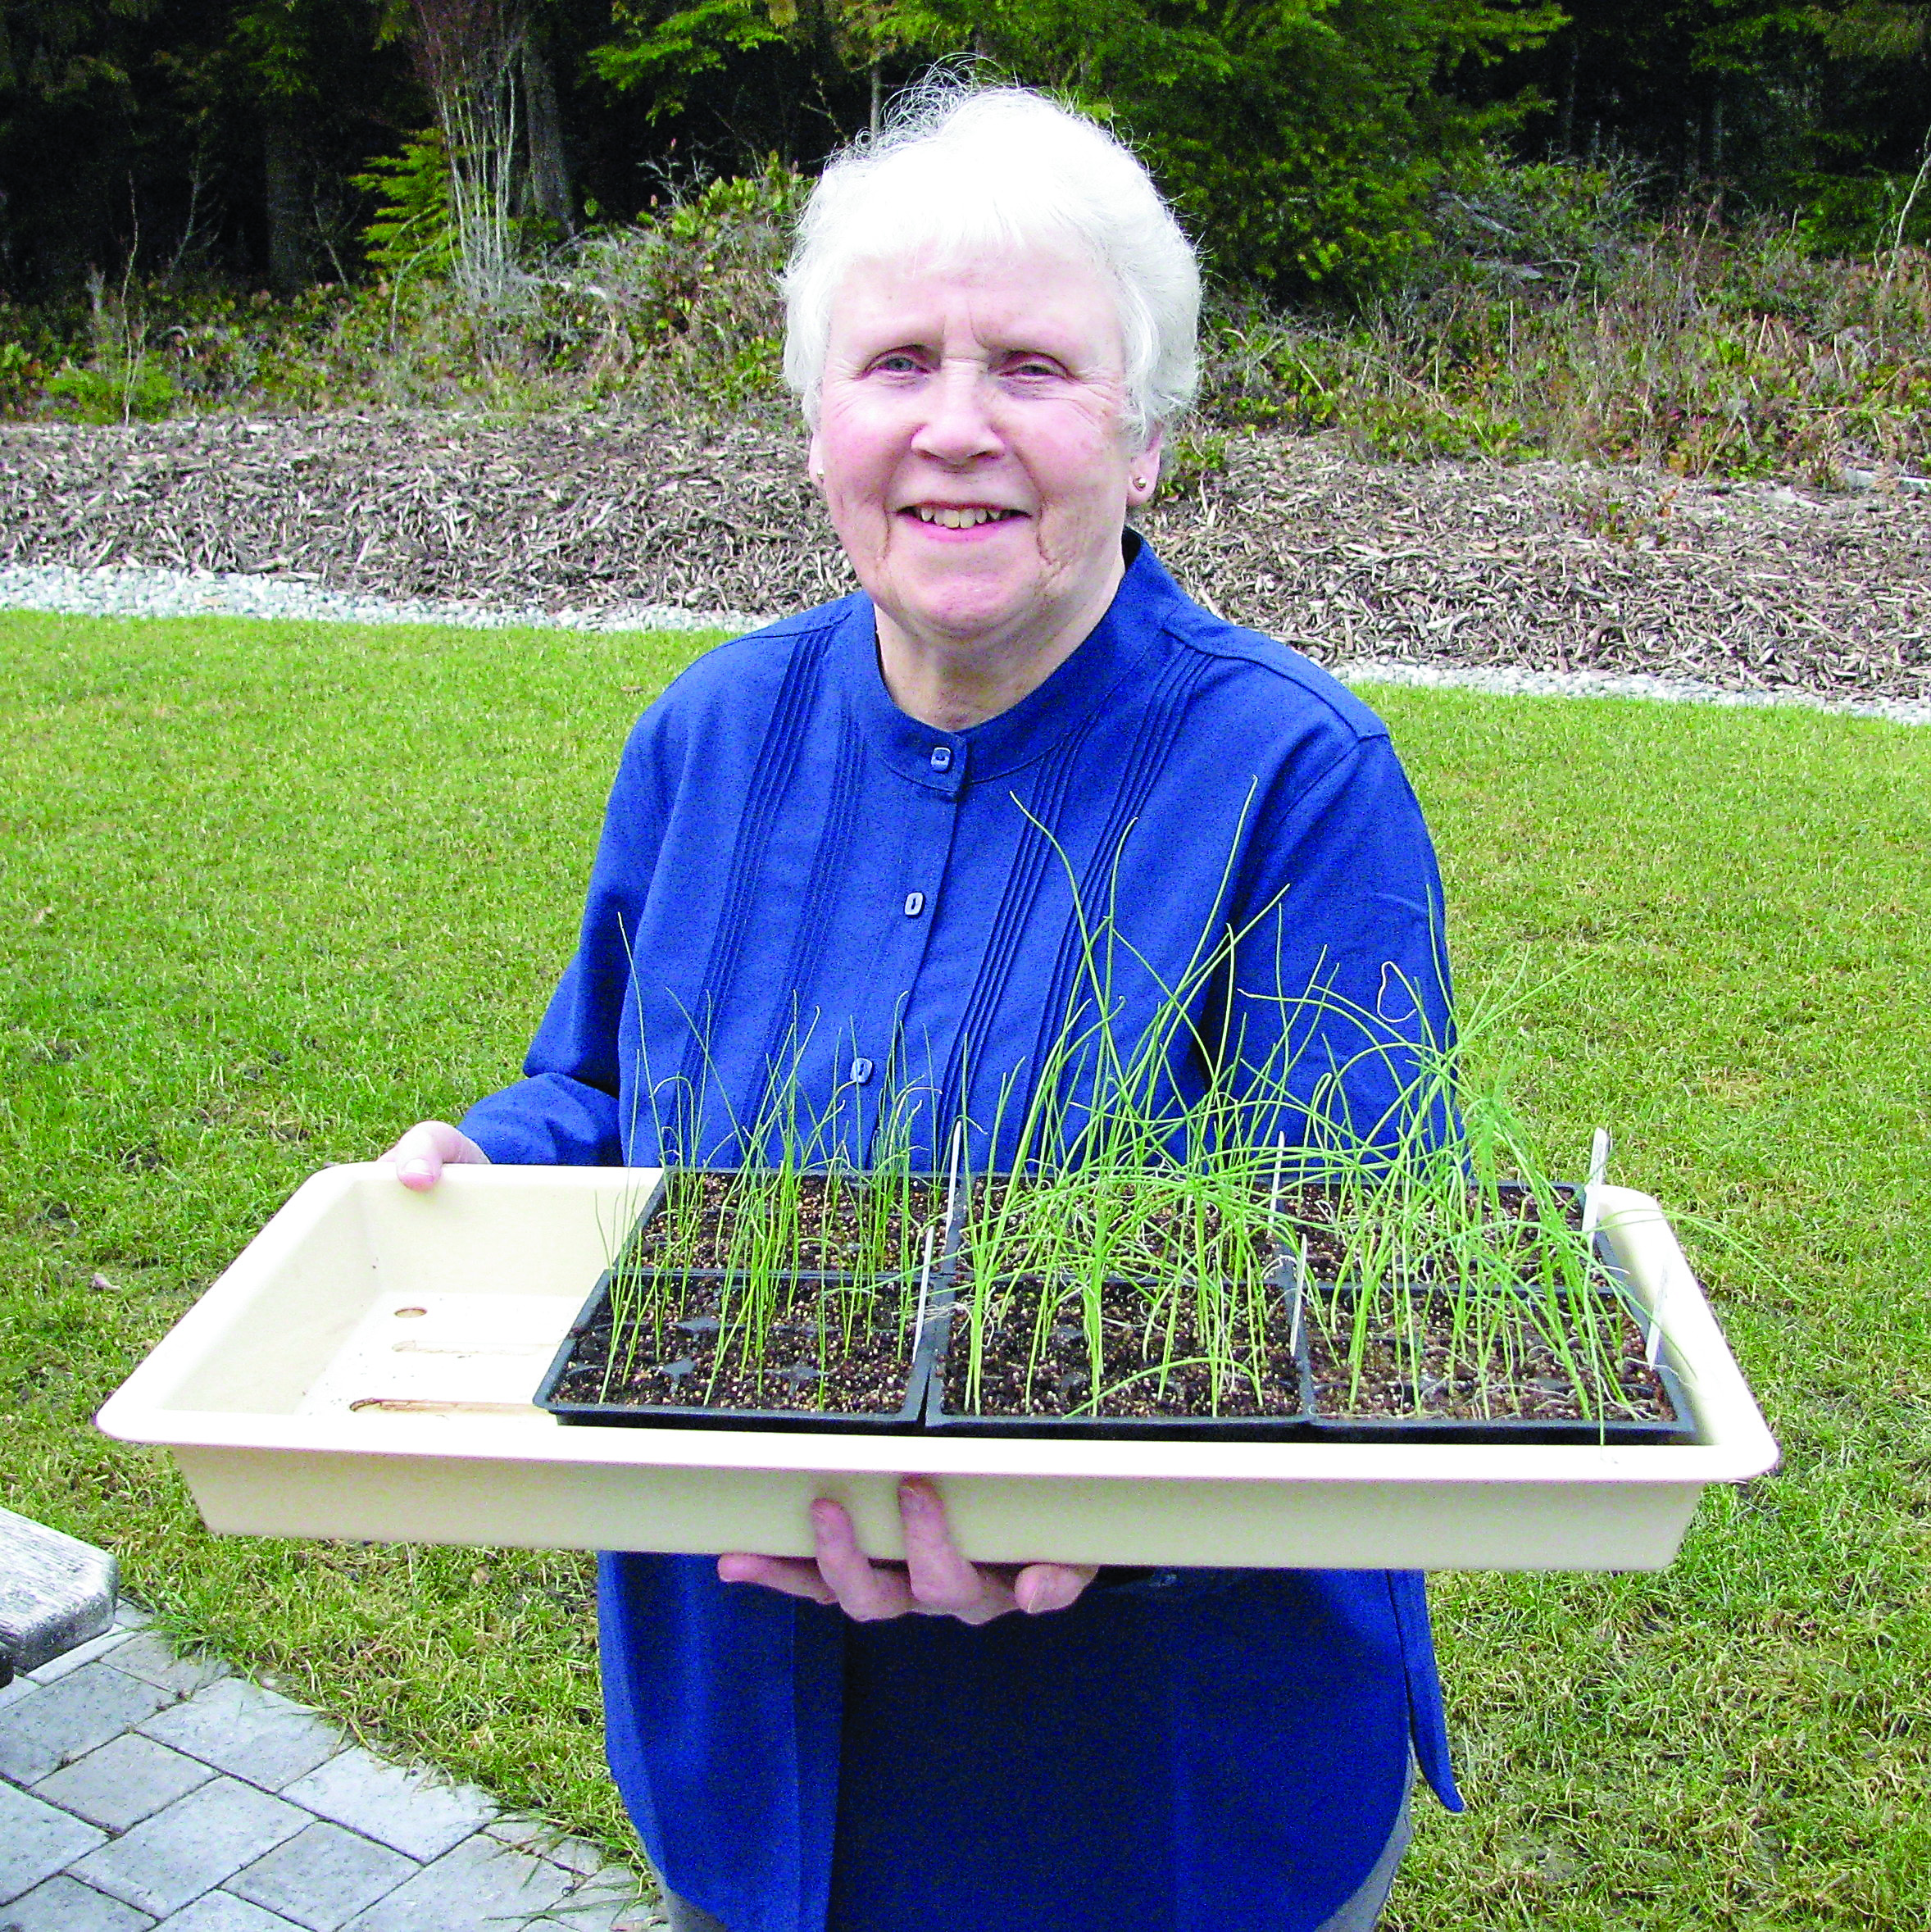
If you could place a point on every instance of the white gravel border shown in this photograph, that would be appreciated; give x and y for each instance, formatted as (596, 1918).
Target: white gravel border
(1621, 683)
(131, 590)
(123, 590)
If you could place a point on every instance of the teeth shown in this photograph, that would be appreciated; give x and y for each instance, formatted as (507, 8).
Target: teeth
(961, 519)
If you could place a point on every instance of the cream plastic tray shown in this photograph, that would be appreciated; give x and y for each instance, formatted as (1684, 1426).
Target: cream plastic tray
(364, 1370)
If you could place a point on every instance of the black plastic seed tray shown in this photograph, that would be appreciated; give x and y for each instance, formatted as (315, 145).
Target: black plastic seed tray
(593, 1326)
(1679, 1427)
(1291, 1427)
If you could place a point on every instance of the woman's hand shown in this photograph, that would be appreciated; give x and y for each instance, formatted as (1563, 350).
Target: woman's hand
(933, 1580)
(420, 1156)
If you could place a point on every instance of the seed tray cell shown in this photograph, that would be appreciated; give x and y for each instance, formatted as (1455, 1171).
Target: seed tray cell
(593, 1327)
(1616, 1301)
(1293, 1425)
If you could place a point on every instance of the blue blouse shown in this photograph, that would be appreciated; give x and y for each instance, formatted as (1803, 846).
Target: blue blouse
(800, 887)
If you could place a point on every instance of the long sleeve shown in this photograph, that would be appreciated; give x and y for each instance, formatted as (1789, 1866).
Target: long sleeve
(566, 1111)
(798, 883)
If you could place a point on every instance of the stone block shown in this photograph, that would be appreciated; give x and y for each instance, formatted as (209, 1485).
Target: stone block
(250, 1733)
(222, 1912)
(482, 1882)
(56, 1592)
(155, 1661)
(322, 1877)
(56, 1668)
(410, 1810)
(126, 1779)
(170, 1859)
(66, 1905)
(36, 1840)
(59, 1722)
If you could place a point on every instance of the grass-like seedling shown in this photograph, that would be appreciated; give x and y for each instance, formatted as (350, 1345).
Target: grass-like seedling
(1441, 1272)
(1434, 1290)
(1416, 1288)
(1153, 1236)
(798, 1283)
(1129, 1293)
(1127, 1249)
(1422, 1264)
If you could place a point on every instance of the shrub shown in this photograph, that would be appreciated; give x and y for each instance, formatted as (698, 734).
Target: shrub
(1524, 230)
(412, 237)
(1552, 317)
(678, 309)
(1863, 214)
(122, 378)
(32, 342)
(138, 389)
(685, 299)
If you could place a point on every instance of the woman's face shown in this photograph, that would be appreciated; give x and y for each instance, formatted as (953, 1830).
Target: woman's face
(970, 445)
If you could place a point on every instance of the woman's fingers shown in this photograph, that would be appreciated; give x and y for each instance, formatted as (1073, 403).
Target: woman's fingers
(940, 1581)
(1043, 1587)
(934, 1580)
(420, 1156)
(864, 1590)
(796, 1576)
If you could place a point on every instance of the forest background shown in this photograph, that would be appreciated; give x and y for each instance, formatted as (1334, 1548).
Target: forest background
(1687, 232)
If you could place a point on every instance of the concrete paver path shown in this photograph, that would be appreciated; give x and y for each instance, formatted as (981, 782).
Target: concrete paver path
(145, 1791)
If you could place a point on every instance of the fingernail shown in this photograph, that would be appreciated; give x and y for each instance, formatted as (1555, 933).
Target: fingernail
(416, 1171)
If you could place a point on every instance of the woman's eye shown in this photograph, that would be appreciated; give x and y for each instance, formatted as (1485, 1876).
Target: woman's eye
(897, 363)
(1033, 365)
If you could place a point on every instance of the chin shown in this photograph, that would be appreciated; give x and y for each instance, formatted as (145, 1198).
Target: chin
(965, 618)
(965, 602)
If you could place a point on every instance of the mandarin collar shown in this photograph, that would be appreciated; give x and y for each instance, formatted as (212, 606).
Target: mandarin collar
(947, 762)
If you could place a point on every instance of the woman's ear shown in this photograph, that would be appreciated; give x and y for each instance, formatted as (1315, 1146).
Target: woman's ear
(815, 463)
(1142, 473)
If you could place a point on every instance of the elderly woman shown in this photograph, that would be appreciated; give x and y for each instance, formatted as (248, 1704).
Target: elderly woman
(862, 846)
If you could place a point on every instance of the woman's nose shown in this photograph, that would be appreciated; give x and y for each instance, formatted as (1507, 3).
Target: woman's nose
(959, 426)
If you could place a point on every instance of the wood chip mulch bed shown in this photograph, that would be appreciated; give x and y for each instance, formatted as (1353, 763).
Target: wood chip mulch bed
(1752, 587)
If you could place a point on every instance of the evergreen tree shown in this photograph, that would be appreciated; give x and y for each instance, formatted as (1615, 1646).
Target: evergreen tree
(1298, 137)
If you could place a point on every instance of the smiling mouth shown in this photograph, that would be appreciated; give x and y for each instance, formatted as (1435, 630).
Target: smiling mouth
(962, 516)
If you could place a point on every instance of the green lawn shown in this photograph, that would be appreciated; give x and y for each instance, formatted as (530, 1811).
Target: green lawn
(268, 892)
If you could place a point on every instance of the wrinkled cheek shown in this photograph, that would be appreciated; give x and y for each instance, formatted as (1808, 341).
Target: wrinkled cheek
(863, 528)
(1063, 543)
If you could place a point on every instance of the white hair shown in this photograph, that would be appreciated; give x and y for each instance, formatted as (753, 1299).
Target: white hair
(959, 172)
